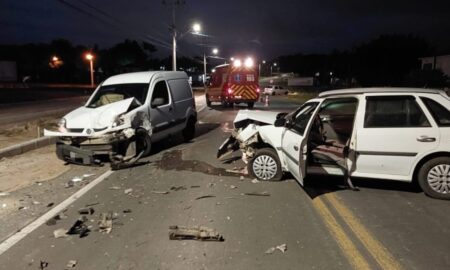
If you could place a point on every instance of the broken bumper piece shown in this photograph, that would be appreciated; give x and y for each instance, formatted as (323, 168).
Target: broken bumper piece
(76, 155)
(228, 146)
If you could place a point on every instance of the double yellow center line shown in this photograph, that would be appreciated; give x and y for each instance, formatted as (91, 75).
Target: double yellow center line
(376, 249)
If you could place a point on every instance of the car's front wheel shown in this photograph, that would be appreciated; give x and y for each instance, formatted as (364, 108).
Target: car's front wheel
(434, 178)
(143, 142)
(265, 165)
(189, 130)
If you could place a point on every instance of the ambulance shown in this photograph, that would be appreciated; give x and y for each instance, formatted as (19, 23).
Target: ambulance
(233, 84)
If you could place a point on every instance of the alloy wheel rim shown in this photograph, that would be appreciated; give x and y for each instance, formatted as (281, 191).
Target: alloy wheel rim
(265, 167)
(439, 178)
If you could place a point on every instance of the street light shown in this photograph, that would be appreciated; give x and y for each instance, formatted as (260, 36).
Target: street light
(259, 67)
(273, 65)
(196, 28)
(90, 58)
(215, 51)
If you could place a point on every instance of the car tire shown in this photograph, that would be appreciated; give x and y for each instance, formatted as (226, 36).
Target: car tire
(265, 165)
(434, 178)
(189, 131)
(208, 102)
(250, 105)
(273, 94)
(143, 142)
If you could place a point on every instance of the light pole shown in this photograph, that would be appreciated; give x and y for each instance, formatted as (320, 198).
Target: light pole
(196, 28)
(90, 57)
(259, 67)
(274, 65)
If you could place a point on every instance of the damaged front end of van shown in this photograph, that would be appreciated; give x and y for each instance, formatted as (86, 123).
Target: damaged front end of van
(117, 129)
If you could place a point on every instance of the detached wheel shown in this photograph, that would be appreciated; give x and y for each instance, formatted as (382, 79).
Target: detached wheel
(250, 105)
(189, 130)
(265, 165)
(434, 178)
(143, 142)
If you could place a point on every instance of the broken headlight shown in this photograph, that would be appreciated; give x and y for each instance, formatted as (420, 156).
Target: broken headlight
(120, 120)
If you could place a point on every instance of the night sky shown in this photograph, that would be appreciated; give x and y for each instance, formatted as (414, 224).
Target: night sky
(263, 28)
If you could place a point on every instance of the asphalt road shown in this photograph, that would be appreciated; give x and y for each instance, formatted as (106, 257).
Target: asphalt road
(385, 225)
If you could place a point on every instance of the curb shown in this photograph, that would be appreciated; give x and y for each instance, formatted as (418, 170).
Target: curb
(24, 147)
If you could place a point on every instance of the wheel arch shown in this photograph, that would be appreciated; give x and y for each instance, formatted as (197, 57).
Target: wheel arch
(425, 159)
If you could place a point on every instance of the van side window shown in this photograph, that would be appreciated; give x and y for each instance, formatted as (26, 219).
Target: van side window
(161, 91)
(440, 114)
(394, 111)
(180, 89)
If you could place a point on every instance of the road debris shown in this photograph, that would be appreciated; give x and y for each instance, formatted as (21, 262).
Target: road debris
(282, 248)
(77, 179)
(233, 187)
(126, 211)
(22, 208)
(194, 233)
(2, 194)
(264, 193)
(177, 188)
(36, 202)
(50, 204)
(86, 211)
(60, 233)
(195, 186)
(255, 181)
(43, 265)
(79, 228)
(92, 204)
(71, 264)
(205, 197)
(114, 188)
(68, 184)
(105, 222)
(159, 192)
(241, 178)
(128, 191)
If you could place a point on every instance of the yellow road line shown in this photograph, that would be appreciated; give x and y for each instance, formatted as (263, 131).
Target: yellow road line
(350, 251)
(376, 249)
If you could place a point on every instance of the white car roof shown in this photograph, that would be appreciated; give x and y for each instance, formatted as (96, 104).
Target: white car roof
(380, 90)
(143, 77)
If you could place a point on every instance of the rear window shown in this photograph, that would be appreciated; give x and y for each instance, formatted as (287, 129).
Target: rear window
(394, 112)
(440, 114)
(108, 94)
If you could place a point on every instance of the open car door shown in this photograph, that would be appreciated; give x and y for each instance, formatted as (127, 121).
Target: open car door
(295, 137)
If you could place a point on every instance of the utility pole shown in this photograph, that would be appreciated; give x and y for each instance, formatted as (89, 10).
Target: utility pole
(173, 4)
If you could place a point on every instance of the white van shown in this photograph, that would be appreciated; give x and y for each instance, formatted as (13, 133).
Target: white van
(125, 115)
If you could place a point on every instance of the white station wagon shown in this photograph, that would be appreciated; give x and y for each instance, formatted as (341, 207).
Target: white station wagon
(382, 133)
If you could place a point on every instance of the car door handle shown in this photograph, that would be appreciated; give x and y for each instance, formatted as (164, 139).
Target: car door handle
(295, 147)
(426, 139)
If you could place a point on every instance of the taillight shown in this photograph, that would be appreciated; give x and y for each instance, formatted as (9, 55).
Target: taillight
(230, 91)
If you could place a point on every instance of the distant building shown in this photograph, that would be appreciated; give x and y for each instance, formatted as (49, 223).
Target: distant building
(441, 62)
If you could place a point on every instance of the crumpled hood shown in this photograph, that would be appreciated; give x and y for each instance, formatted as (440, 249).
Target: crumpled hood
(97, 118)
(260, 116)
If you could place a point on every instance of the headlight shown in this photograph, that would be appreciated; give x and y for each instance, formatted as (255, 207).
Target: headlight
(118, 121)
(62, 123)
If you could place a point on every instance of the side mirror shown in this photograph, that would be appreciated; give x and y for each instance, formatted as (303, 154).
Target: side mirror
(280, 122)
(157, 102)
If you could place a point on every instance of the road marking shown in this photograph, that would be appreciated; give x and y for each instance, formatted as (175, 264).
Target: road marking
(12, 240)
(350, 251)
(376, 249)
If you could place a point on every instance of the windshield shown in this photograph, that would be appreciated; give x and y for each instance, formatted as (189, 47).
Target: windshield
(108, 94)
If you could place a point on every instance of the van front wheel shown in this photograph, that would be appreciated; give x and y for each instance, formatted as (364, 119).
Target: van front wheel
(143, 142)
(434, 178)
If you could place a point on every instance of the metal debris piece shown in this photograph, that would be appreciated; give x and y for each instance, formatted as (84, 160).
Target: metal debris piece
(282, 248)
(204, 197)
(126, 211)
(264, 193)
(50, 204)
(159, 192)
(114, 188)
(194, 233)
(255, 181)
(105, 222)
(43, 265)
(71, 264)
(79, 228)
(77, 179)
(60, 233)
(177, 188)
(86, 211)
(128, 190)
(88, 175)
(233, 187)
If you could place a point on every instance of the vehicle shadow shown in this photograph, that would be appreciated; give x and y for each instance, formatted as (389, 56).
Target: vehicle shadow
(319, 185)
